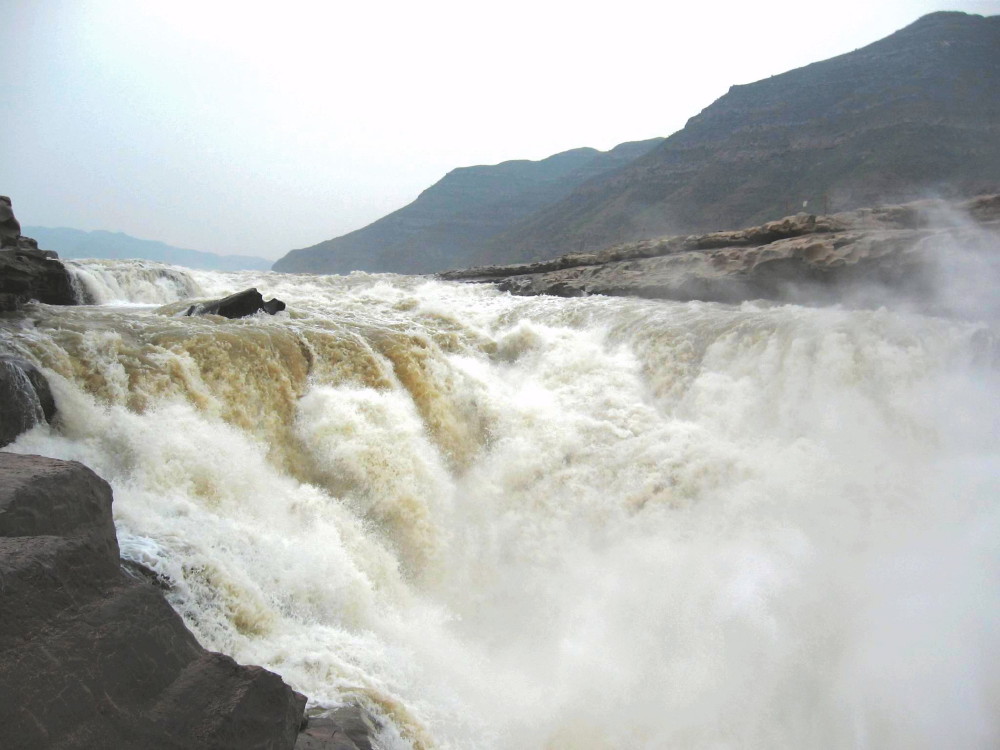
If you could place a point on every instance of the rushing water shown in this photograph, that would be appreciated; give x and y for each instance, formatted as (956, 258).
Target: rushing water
(573, 524)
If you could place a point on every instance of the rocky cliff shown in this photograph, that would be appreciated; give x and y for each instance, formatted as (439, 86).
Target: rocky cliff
(447, 225)
(27, 273)
(914, 115)
(931, 255)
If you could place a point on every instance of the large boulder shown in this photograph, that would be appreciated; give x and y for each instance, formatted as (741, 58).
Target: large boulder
(25, 398)
(239, 305)
(91, 657)
(27, 273)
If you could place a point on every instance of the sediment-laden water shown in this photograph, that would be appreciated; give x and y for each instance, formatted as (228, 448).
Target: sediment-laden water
(588, 523)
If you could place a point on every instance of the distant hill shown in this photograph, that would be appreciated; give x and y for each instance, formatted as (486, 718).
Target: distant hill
(913, 115)
(75, 243)
(448, 224)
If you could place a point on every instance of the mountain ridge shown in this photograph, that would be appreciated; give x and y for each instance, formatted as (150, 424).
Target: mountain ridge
(452, 218)
(913, 115)
(906, 117)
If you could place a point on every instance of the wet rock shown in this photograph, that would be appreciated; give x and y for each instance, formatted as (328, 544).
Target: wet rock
(91, 658)
(27, 273)
(239, 305)
(344, 728)
(324, 734)
(25, 398)
(140, 572)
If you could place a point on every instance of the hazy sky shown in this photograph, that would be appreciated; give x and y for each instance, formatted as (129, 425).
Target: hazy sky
(256, 128)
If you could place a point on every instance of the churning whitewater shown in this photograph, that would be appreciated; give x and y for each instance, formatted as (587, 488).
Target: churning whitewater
(502, 522)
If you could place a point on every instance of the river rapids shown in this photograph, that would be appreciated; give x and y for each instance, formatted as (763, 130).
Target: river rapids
(566, 524)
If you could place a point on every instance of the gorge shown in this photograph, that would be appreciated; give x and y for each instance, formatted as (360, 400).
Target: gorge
(699, 448)
(501, 522)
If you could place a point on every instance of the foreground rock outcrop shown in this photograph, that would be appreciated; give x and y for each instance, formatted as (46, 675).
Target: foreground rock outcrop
(92, 658)
(27, 273)
(930, 254)
(239, 305)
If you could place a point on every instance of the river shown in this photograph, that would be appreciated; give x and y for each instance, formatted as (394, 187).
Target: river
(507, 522)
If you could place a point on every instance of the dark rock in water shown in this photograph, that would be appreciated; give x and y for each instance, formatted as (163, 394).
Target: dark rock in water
(324, 734)
(90, 658)
(344, 728)
(239, 305)
(27, 273)
(25, 398)
(141, 572)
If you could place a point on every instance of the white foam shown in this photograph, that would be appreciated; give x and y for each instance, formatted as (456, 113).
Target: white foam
(130, 282)
(588, 523)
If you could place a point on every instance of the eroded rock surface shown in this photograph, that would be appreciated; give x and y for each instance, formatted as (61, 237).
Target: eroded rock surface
(930, 254)
(92, 658)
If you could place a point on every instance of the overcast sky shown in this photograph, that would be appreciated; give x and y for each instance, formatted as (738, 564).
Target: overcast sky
(259, 127)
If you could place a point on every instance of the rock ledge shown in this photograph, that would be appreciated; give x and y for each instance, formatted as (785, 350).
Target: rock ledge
(862, 257)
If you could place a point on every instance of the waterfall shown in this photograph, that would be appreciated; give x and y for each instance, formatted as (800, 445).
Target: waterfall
(104, 282)
(505, 522)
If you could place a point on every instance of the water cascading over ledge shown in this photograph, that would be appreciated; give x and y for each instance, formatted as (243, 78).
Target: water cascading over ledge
(510, 522)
